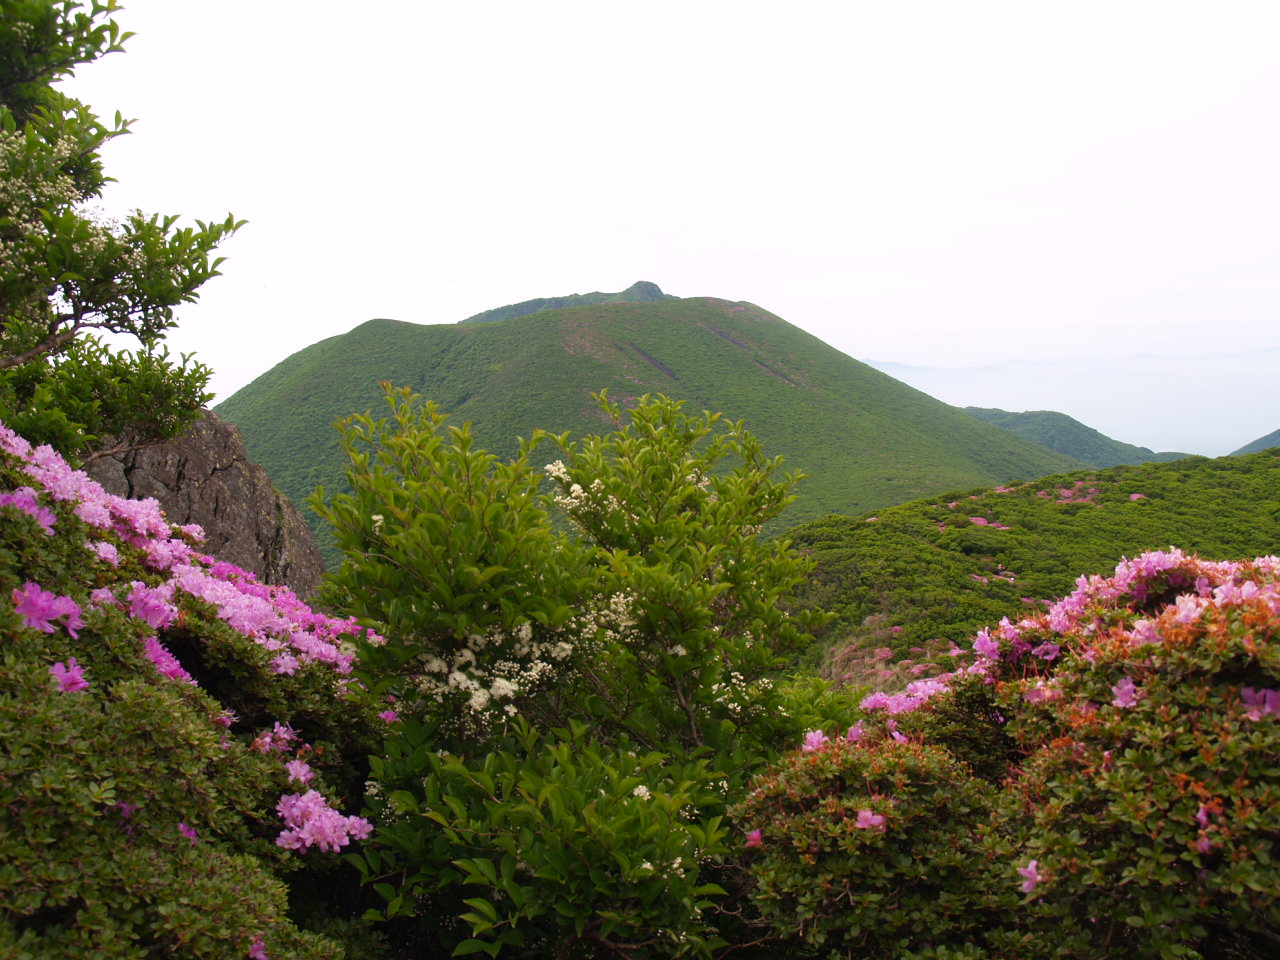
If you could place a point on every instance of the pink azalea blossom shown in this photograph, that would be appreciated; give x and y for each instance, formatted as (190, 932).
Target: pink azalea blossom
(188, 832)
(299, 771)
(390, 716)
(165, 662)
(1031, 875)
(310, 821)
(754, 839)
(24, 499)
(1126, 694)
(869, 821)
(70, 676)
(258, 950)
(814, 740)
(38, 607)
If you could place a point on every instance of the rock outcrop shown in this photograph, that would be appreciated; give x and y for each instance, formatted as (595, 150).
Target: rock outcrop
(206, 478)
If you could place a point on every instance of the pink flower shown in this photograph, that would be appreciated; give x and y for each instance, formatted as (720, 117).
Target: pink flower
(310, 821)
(855, 733)
(1031, 877)
(70, 676)
(1126, 694)
(985, 646)
(1259, 703)
(258, 950)
(754, 839)
(814, 740)
(38, 607)
(390, 716)
(299, 771)
(165, 662)
(868, 820)
(187, 832)
(1137, 496)
(24, 499)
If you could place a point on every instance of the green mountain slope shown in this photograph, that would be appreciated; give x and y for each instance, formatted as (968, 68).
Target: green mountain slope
(944, 567)
(1069, 436)
(864, 439)
(642, 291)
(1262, 443)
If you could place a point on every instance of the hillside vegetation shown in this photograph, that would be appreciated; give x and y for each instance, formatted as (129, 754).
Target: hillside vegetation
(1069, 436)
(943, 567)
(863, 439)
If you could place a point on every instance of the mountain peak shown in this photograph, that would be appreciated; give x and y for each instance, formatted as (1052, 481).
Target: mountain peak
(642, 291)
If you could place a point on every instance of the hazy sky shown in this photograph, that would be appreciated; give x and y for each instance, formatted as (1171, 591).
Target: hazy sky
(1007, 197)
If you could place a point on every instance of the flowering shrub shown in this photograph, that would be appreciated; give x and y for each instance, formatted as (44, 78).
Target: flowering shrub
(156, 708)
(659, 626)
(860, 851)
(1133, 732)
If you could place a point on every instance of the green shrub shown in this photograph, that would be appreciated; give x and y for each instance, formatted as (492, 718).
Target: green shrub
(867, 848)
(659, 628)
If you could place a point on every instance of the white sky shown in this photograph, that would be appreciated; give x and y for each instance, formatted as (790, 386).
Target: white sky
(1019, 192)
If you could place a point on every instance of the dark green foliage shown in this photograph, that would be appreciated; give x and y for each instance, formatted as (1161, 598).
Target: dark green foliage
(862, 439)
(926, 570)
(1068, 436)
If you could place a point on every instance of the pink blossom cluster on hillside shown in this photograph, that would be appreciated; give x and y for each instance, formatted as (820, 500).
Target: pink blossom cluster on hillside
(271, 616)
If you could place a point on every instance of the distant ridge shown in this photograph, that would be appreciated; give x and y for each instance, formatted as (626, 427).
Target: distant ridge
(642, 291)
(1272, 439)
(1069, 436)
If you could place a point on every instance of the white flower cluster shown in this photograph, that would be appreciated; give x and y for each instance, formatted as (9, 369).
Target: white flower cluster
(738, 695)
(495, 669)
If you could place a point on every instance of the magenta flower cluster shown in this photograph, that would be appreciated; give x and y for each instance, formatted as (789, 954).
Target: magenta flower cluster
(310, 821)
(271, 616)
(39, 607)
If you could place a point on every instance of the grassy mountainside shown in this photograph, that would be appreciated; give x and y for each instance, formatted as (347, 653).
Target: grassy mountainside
(1272, 439)
(944, 567)
(1069, 436)
(642, 291)
(864, 439)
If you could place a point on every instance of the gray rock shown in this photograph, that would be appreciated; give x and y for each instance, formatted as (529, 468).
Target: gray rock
(205, 477)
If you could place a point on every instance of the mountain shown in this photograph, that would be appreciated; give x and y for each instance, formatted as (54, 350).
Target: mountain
(1069, 436)
(642, 291)
(1272, 439)
(863, 439)
(943, 567)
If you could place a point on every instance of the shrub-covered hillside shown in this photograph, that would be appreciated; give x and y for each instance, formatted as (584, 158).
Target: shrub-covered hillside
(944, 567)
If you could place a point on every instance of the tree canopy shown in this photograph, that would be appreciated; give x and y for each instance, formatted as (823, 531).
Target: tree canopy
(68, 274)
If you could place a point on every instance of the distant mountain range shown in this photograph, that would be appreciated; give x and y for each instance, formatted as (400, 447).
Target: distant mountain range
(863, 439)
(1069, 436)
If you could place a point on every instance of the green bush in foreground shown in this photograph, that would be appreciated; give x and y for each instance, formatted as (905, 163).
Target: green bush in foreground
(643, 652)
